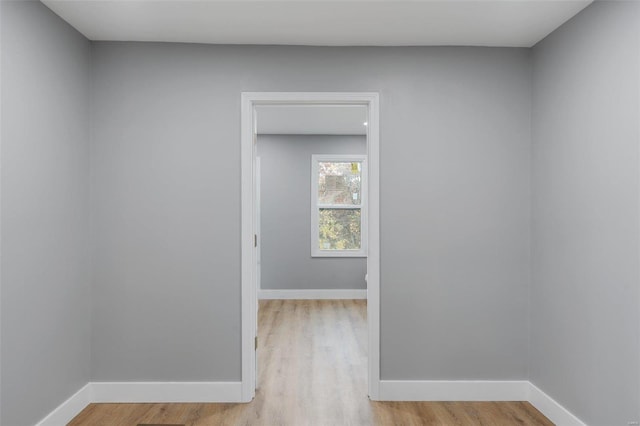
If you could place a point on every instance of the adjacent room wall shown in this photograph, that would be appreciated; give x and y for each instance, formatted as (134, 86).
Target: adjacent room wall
(455, 218)
(45, 212)
(285, 239)
(586, 136)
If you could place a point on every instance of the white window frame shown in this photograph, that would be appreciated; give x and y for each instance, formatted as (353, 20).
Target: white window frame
(315, 206)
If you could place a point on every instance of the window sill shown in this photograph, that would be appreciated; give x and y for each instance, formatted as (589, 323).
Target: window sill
(336, 253)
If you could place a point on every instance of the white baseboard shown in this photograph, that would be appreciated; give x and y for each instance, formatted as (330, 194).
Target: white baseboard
(552, 409)
(455, 390)
(312, 294)
(390, 390)
(66, 411)
(131, 392)
(469, 390)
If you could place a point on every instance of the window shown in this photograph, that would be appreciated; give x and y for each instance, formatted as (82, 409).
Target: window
(338, 205)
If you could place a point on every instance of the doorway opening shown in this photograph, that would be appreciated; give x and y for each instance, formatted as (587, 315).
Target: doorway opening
(353, 200)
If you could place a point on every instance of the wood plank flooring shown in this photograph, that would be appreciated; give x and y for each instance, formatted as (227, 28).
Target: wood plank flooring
(312, 371)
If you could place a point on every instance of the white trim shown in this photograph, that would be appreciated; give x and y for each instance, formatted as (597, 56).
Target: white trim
(312, 294)
(453, 390)
(66, 411)
(637, 176)
(142, 392)
(248, 210)
(373, 244)
(389, 390)
(315, 206)
(258, 225)
(478, 390)
(248, 277)
(551, 408)
(139, 392)
(1, 274)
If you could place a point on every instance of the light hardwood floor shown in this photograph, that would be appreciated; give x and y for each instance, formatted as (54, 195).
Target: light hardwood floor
(312, 371)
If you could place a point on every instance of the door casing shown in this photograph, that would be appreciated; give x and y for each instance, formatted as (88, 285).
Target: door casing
(249, 101)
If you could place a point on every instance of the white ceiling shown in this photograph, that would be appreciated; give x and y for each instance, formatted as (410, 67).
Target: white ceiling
(515, 23)
(311, 120)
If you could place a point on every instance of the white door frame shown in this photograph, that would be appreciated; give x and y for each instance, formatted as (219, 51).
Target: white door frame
(249, 101)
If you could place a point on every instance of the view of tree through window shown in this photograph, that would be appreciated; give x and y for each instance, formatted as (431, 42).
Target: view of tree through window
(339, 229)
(339, 205)
(339, 183)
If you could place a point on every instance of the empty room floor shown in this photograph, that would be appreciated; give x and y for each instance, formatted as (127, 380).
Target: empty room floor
(312, 370)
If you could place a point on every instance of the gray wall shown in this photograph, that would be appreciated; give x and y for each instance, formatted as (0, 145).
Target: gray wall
(455, 218)
(45, 212)
(455, 208)
(286, 261)
(584, 296)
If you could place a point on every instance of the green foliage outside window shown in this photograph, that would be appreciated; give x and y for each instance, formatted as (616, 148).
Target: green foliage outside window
(339, 229)
(339, 186)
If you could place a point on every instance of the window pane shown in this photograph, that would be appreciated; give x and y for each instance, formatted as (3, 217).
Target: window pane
(339, 182)
(339, 229)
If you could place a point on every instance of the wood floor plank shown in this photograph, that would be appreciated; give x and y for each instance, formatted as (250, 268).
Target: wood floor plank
(312, 371)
